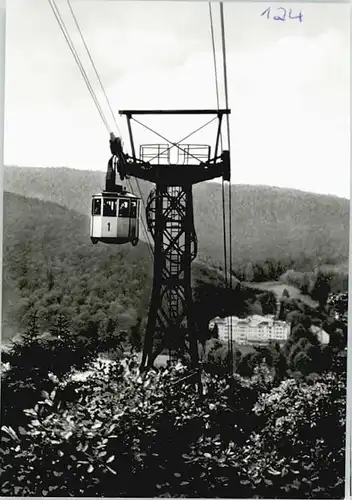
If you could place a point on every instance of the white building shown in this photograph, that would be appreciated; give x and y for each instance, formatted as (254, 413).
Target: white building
(252, 330)
(323, 336)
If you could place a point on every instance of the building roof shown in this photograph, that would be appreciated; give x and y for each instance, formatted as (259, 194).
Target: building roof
(318, 329)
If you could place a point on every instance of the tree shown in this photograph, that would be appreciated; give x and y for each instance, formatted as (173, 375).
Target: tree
(296, 347)
(298, 332)
(61, 328)
(294, 317)
(214, 333)
(248, 362)
(302, 363)
(31, 333)
(321, 289)
(268, 302)
(216, 356)
(257, 308)
(280, 367)
(136, 336)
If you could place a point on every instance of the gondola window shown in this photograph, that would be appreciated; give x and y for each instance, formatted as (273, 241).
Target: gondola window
(124, 208)
(96, 208)
(109, 208)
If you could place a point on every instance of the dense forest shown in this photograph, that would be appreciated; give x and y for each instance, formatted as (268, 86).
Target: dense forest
(289, 228)
(80, 419)
(50, 264)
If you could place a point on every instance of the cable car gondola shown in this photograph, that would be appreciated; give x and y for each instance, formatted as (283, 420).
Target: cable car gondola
(115, 217)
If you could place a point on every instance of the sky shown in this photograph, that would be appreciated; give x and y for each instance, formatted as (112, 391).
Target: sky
(288, 85)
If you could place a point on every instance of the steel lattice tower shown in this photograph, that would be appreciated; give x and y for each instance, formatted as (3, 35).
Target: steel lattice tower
(170, 220)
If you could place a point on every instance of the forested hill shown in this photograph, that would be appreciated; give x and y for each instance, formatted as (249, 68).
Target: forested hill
(275, 224)
(50, 264)
(293, 227)
(67, 187)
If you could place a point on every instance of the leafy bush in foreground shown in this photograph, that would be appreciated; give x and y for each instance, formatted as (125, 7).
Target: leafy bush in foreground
(298, 449)
(113, 432)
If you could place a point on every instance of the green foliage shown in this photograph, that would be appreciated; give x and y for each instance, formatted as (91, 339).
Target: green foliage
(216, 357)
(35, 360)
(268, 303)
(318, 283)
(321, 289)
(31, 334)
(300, 280)
(293, 453)
(117, 433)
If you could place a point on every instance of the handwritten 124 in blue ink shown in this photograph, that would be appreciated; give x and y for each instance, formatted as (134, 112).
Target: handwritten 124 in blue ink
(283, 15)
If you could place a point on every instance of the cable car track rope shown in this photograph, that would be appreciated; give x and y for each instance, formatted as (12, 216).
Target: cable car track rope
(228, 130)
(227, 258)
(63, 28)
(94, 67)
(218, 106)
(68, 39)
(129, 182)
(223, 39)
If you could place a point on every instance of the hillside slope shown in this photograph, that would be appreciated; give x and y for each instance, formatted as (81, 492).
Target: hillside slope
(268, 223)
(275, 224)
(50, 263)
